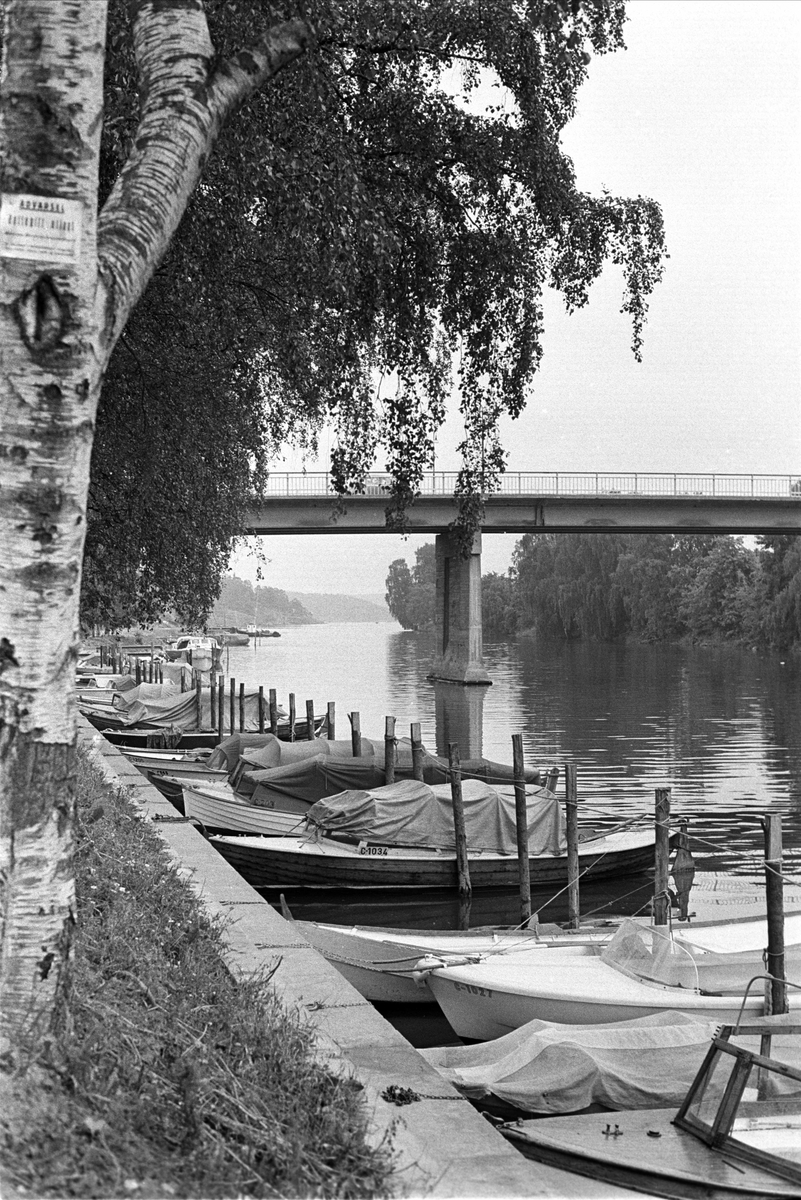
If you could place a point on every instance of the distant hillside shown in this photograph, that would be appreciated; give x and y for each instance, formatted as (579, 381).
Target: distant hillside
(333, 608)
(241, 604)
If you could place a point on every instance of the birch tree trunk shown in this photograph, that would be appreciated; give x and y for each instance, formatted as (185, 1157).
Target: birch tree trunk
(61, 312)
(51, 97)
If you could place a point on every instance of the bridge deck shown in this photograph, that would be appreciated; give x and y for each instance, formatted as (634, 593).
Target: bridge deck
(542, 502)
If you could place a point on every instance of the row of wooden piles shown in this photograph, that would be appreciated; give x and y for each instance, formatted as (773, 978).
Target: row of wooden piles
(150, 671)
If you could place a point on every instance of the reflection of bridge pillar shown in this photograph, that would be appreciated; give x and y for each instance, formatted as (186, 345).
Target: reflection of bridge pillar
(460, 644)
(459, 718)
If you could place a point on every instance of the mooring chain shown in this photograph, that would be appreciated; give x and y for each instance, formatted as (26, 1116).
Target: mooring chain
(403, 1095)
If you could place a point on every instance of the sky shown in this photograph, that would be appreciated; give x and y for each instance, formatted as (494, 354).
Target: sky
(700, 112)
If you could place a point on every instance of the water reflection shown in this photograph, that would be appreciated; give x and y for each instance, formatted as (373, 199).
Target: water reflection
(719, 726)
(460, 718)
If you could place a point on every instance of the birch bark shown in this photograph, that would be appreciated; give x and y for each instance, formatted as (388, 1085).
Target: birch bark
(50, 369)
(58, 325)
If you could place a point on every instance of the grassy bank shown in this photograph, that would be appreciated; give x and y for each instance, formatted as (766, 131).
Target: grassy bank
(164, 1077)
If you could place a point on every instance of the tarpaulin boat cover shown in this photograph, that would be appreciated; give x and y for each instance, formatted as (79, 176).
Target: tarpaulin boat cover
(227, 753)
(172, 672)
(279, 754)
(161, 705)
(311, 779)
(546, 1067)
(435, 770)
(411, 813)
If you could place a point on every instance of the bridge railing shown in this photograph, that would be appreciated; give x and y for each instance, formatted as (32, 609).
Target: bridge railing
(300, 484)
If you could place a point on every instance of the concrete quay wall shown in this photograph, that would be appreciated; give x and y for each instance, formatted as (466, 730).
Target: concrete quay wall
(443, 1147)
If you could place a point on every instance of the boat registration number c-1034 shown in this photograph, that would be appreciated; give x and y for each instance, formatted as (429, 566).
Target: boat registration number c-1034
(363, 848)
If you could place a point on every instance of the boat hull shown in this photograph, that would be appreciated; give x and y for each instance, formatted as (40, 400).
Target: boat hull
(487, 1000)
(381, 966)
(192, 739)
(649, 1155)
(325, 863)
(226, 812)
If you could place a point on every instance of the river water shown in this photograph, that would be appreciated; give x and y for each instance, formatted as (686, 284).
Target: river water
(720, 727)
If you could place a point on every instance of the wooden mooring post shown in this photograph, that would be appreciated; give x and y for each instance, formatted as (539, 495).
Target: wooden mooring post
(521, 826)
(417, 751)
(221, 709)
(213, 700)
(662, 856)
(355, 734)
(389, 749)
(310, 720)
(273, 712)
(460, 835)
(199, 698)
(774, 896)
(292, 716)
(331, 721)
(232, 706)
(261, 709)
(241, 708)
(571, 832)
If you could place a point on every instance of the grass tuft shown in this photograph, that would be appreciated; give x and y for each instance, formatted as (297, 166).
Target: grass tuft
(164, 1077)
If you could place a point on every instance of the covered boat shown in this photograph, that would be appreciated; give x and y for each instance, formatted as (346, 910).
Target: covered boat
(416, 814)
(548, 1067)
(402, 836)
(736, 1135)
(257, 767)
(164, 705)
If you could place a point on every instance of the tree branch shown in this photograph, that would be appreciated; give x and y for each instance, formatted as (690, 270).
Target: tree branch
(183, 109)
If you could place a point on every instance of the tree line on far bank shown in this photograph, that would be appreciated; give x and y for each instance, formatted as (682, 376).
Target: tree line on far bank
(604, 587)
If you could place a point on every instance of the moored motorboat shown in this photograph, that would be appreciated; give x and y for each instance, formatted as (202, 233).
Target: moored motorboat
(395, 964)
(736, 1136)
(382, 964)
(641, 971)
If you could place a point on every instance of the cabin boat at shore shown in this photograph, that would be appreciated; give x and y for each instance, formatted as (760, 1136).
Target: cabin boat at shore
(736, 1136)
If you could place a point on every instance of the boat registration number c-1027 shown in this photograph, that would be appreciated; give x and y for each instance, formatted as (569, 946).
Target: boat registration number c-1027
(363, 848)
(472, 987)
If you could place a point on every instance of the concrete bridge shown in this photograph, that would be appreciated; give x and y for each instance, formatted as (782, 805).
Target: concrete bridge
(528, 502)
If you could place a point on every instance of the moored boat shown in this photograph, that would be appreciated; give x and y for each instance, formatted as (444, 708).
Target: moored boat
(736, 1135)
(169, 770)
(548, 1067)
(297, 862)
(640, 972)
(382, 964)
(219, 807)
(155, 734)
(395, 964)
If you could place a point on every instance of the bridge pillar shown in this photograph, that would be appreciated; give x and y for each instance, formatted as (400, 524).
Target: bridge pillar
(460, 644)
